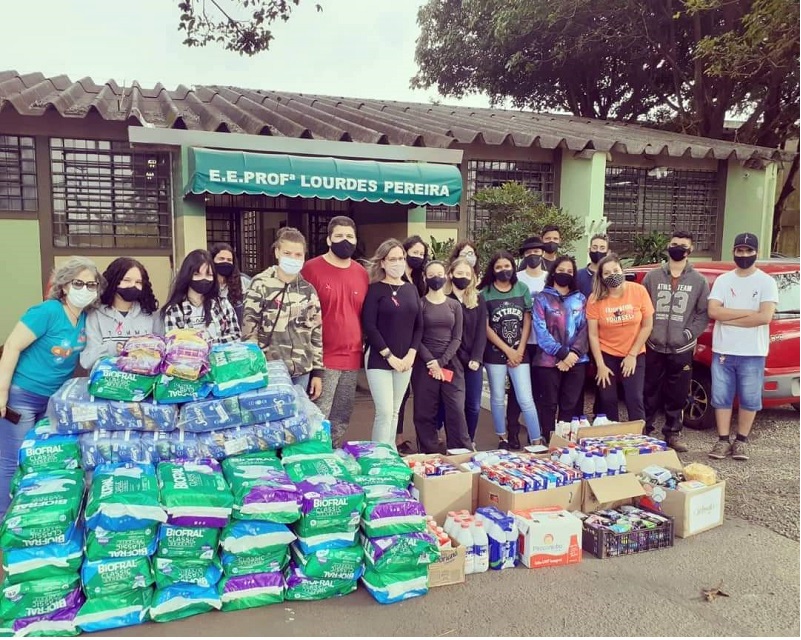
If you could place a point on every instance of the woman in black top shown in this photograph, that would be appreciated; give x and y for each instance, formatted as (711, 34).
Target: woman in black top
(474, 338)
(438, 374)
(392, 322)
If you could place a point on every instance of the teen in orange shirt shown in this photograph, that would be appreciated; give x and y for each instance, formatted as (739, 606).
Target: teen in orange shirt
(619, 321)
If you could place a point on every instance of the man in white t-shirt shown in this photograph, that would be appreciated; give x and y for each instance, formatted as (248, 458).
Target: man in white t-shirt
(741, 303)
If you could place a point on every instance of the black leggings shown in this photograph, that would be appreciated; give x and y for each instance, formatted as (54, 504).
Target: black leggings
(632, 387)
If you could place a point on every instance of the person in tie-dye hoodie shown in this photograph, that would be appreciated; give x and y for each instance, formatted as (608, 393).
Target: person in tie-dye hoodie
(560, 322)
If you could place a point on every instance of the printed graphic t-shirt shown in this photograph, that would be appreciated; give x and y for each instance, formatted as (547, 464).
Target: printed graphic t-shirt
(505, 313)
(619, 319)
(51, 359)
(535, 285)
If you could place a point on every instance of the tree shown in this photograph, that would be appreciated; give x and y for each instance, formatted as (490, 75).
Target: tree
(680, 64)
(239, 25)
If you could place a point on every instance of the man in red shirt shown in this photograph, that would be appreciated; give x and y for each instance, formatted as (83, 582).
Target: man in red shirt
(341, 285)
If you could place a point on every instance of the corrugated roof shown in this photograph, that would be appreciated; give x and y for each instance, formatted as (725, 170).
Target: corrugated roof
(262, 112)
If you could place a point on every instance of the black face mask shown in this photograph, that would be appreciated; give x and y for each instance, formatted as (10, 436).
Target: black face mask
(677, 254)
(461, 283)
(550, 247)
(505, 275)
(614, 280)
(203, 287)
(436, 283)
(129, 294)
(745, 262)
(343, 249)
(563, 279)
(414, 262)
(225, 269)
(532, 262)
(597, 256)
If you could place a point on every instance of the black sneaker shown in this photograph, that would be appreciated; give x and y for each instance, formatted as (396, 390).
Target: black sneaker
(514, 442)
(504, 444)
(405, 448)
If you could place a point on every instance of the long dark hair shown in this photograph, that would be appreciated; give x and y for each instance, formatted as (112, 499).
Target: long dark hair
(549, 282)
(180, 287)
(457, 249)
(116, 272)
(234, 281)
(489, 272)
(418, 277)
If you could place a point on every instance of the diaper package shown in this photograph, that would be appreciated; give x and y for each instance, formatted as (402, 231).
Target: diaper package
(312, 437)
(186, 354)
(300, 467)
(253, 538)
(123, 609)
(400, 553)
(142, 355)
(107, 380)
(53, 614)
(346, 563)
(173, 571)
(253, 590)
(115, 575)
(102, 544)
(237, 367)
(210, 414)
(110, 447)
(268, 561)
(274, 402)
(263, 493)
(72, 409)
(37, 596)
(137, 416)
(177, 445)
(299, 586)
(171, 390)
(182, 601)
(329, 505)
(124, 497)
(187, 542)
(388, 588)
(56, 559)
(42, 452)
(391, 513)
(195, 494)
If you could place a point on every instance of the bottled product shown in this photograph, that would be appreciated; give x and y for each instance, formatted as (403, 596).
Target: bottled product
(587, 465)
(566, 458)
(600, 419)
(464, 538)
(480, 547)
(574, 428)
(612, 462)
(448, 526)
(574, 453)
(583, 422)
(601, 468)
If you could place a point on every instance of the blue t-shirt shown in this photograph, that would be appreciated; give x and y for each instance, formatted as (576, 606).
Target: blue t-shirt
(50, 359)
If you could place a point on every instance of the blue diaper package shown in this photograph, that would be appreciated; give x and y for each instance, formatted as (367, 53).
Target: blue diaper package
(276, 401)
(137, 416)
(211, 414)
(57, 558)
(106, 447)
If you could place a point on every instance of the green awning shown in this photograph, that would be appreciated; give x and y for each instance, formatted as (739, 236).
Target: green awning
(237, 172)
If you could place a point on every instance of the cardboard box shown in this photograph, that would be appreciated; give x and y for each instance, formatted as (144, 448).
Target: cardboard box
(610, 492)
(440, 494)
(503, 498)
(449, 569)
(614, 429)
(457, 460)
(694, 511)
(549, 537)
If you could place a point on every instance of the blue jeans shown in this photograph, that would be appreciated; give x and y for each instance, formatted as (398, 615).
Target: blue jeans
(31, 407)
(741, 375)
(521, 381)
(473, 383)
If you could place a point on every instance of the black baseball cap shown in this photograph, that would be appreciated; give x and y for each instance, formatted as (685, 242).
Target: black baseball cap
(747, 240)
(534, 242)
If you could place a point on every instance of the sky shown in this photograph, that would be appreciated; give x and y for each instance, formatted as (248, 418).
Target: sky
(353, 48)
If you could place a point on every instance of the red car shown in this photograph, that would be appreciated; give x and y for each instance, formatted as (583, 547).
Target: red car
(781, 385)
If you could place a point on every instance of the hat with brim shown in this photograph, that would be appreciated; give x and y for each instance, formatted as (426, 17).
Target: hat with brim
(534, 242)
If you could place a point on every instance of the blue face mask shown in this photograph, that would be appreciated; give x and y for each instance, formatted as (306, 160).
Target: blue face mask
(290, 266)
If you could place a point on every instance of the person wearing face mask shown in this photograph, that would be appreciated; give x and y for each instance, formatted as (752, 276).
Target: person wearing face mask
(467, 250)
(508, 304)
(341, 284)
(127, 308)
(417, 255)
(232, 283)
(560, 322)
(620, 317)
(551, 240)
(463, 288)
(283, 314)
(195, 303)
(742, 303)
(437, 355)
(39, 355)
(393, 324)
(680, 297)
(599, 249)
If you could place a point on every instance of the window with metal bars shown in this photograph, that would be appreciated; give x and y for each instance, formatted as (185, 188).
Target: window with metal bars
(638, 201)
(483, 174)
(18, 174)
(107, 195)
(442, 213)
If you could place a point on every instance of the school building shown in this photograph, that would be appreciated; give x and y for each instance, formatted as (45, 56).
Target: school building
(104, 170)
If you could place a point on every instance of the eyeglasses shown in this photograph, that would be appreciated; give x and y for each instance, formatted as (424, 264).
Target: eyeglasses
(80, 284)
(394, 260)
(467, 254)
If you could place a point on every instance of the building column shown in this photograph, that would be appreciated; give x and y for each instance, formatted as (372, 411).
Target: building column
(750, 195)
(417, 224)
(581, 194)
(189, 214)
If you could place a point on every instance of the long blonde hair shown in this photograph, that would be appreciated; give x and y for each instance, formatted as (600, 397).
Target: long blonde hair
(599, 288)
(471, 292)
(375, 270)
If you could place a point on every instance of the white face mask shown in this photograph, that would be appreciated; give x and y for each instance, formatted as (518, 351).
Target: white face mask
(396, 269)
(290, 266)
(471, 260)
(81, 298)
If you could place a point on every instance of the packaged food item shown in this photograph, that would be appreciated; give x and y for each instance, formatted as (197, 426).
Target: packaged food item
(701, 473)
(186, 354)
(42, 452)
(172, 390)
(142, 355)
(124, 497)
(391, 587)
(107, 380)
(194, 493)
(172, 571)
(187, 542)
(252, 590)
(300, 586)
(121, 609)
(102, 544)
(115, 575)
(211, 414)
(237, 367)
(182, 601)
(46, 561)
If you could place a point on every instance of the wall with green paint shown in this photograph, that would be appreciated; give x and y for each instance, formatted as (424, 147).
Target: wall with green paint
(22, 285)
(581, 193)
(749, 206)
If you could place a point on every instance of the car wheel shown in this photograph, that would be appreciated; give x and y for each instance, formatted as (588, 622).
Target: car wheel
(698, 413)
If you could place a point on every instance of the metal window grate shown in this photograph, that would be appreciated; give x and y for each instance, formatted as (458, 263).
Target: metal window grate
(442, 213)
(251, 256)
(223, 226)
(107, 195)
(482, 174)
(18, 174)
(638, 201)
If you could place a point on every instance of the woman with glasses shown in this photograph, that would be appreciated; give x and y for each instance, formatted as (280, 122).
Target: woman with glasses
(393, 325)
(40, 355)
(127, 308)
(466, 250)
(195, 301)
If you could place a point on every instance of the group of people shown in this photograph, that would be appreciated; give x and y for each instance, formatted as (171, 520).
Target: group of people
(425, 325)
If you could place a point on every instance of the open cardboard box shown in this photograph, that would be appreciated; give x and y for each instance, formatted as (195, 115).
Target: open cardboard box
(692, 511)
(548, 537)
(503, 498)
(614, 429)
(610, 492)
(449, 569)
(440, 494)
(457, 460)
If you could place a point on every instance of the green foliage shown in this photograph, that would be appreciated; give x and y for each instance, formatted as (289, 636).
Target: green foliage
(515, 213)
(650, 248)
(441, 250)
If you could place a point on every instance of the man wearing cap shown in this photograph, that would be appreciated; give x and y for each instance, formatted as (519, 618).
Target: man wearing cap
(533, 275)
(741, 303)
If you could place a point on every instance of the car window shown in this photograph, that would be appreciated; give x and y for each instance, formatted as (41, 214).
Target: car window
(789, 292)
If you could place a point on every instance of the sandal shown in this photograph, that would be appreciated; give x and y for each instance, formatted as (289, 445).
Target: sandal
(405, 448)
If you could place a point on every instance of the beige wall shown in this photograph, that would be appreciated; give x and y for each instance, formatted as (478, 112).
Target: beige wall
(21, 273)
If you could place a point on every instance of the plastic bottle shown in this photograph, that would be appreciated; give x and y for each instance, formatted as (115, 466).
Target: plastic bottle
(565, 458)
(587, 465)
(574, 454)
(583, 422)
(480, 547)
(612, 462)
(621, 458)
(600, 419)
(448, 526)
(464, 538)
(574, 427)
(600, 465)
